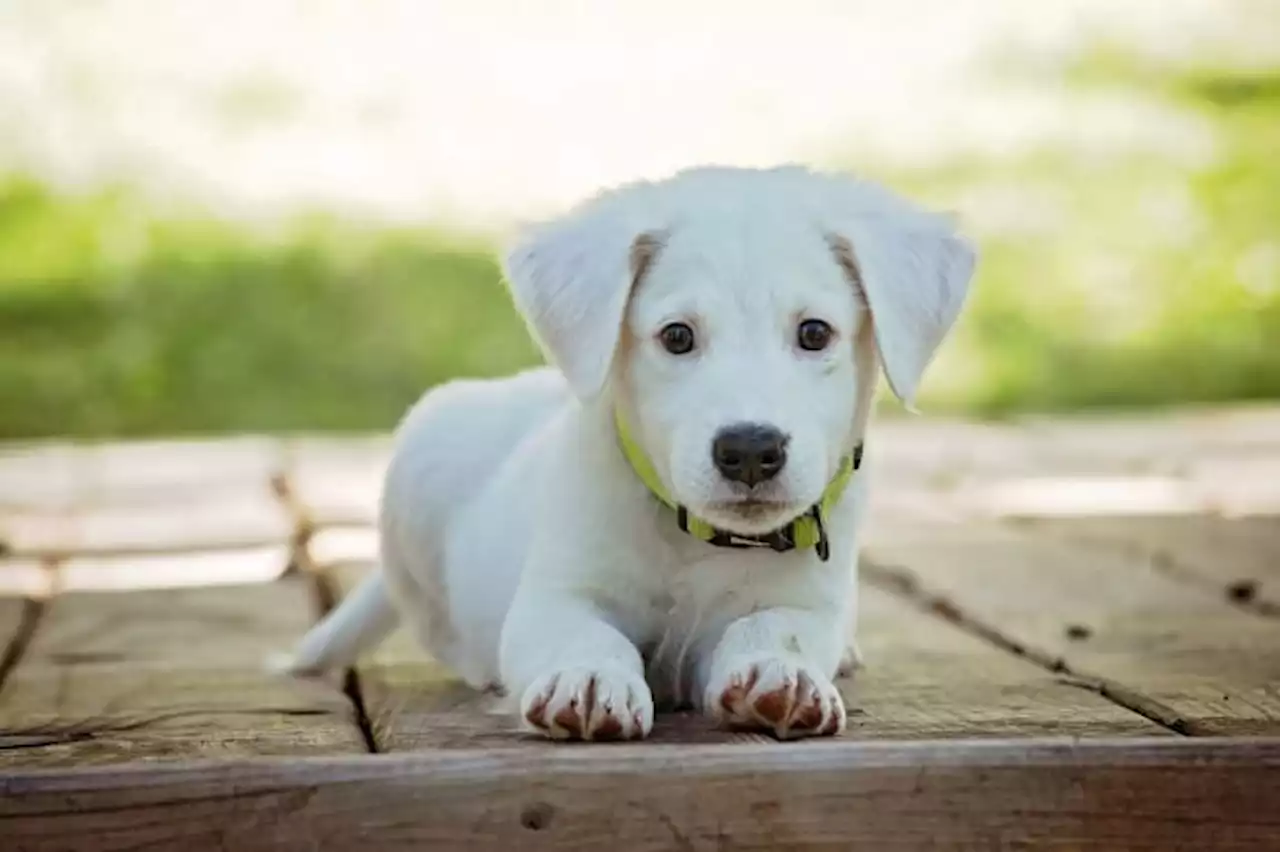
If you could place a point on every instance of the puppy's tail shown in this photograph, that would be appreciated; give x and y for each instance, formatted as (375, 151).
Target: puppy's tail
(363, 619)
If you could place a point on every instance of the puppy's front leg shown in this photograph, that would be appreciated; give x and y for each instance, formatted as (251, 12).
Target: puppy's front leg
(577, 675)
(773, 669)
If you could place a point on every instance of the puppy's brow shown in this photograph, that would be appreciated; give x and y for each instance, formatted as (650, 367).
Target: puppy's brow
(842, 250)
(643, 252)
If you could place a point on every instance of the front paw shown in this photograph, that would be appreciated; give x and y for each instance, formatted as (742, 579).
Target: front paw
(780, 695)
(604, 703)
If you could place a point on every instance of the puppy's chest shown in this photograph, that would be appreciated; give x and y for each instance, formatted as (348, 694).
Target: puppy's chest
(686, 611)
(700, 595)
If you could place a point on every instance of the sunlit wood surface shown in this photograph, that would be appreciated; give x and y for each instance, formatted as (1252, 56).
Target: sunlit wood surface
(1072, 632)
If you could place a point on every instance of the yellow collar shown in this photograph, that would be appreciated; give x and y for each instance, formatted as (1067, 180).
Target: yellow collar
(806, 531)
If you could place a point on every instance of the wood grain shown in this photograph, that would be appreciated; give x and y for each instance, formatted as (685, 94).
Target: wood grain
(1238, 558)
(1064, 641)
(1129, 794)
(925, 679)
(1189, 658)
(168, 674)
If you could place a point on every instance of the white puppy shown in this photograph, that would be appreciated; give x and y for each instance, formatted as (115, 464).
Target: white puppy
(670, 517)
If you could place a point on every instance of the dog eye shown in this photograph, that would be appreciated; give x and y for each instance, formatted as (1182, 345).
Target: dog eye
(814, 335)
(677, 338)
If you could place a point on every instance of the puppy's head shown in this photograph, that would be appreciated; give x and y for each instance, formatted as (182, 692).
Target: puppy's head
(738, 319)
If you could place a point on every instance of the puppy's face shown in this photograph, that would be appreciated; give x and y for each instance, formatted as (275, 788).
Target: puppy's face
(741, 315)
(738, 368)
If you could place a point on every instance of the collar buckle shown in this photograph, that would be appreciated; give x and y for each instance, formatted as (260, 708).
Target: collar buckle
(823, 546)
(779, 541)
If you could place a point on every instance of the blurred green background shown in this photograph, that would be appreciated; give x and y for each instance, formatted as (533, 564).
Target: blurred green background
(1108, 278)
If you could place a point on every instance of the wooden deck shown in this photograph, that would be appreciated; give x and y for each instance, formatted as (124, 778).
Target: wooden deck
(1072, 631)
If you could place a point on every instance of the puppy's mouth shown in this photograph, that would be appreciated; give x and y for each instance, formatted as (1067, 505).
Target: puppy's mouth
(751, 515)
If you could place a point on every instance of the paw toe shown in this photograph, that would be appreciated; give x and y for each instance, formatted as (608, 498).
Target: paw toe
(784, 699)
(589, 705)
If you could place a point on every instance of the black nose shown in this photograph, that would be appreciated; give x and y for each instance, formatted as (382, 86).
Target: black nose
(749, 452)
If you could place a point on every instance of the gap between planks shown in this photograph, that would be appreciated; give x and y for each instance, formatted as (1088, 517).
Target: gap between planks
(323, 590)
(904, 583)
(30, 614)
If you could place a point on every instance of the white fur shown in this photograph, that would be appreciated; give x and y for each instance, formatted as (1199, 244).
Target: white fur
(521, 548)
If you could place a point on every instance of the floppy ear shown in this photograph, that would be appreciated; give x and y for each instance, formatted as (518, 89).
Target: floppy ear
(571, 280)
(914, 273)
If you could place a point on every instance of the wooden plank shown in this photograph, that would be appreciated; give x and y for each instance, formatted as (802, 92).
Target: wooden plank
(1235, 557)
(338, 481)
(1132, 794)
(10, 618)
(150, 472)
(938, 451)
(168, 674)
(58, 475)
(1190, 659)
(38, 475)
(1165, 441)
(1239, 484)
(925, 679)
(353, 547)
(228, 519)
(25, 578)
(1190, 444)
(1053, 495)
(173, 570)
(1216, 461)
(37, 578)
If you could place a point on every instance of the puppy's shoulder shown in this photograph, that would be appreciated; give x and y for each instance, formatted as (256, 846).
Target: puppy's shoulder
(459, 433)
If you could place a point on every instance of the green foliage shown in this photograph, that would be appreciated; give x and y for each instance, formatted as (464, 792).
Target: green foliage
(1118, 281)
(1127, 281)
(114, 324)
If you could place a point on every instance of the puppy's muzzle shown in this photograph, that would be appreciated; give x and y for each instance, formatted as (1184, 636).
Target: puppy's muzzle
(749, 453)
